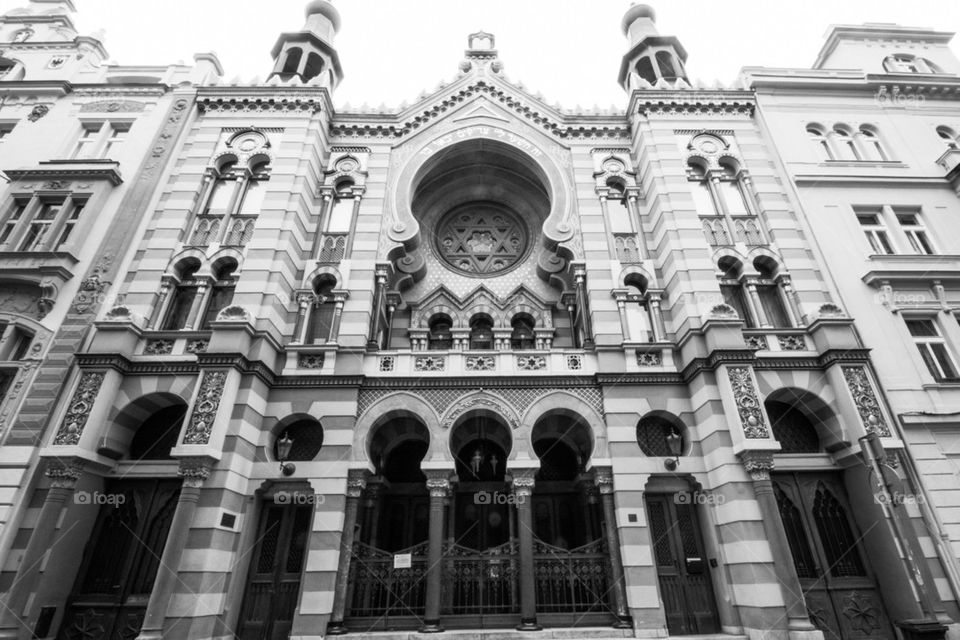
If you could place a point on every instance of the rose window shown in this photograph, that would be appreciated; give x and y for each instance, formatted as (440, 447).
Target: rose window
(482, 240)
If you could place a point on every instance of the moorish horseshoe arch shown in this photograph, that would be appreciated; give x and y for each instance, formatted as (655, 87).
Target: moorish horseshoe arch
(480, 401)
(557, 227)
(564, 403)
(395, 405)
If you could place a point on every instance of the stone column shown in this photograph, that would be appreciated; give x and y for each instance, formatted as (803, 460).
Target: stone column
(620, 296)
(604, 480)
(759, 464)
(304, 302)
(63, 475)
(439, 487)
(656, 316)
(523, 492)
(158, 309)
(634, 207)
(339, 297)
(193, 471)
(585, 483)
(379, 292)
(793, 304)
(580, 282)
(356, 482)
(753, 299)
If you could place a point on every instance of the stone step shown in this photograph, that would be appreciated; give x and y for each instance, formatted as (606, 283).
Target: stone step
(580, 633)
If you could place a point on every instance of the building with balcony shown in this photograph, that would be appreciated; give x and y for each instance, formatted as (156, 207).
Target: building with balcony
(477, 363)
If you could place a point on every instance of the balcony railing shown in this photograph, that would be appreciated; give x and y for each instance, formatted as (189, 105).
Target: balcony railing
(333, 247)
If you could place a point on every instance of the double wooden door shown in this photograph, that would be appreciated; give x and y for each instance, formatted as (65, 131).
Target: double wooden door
(838, 584)
(273, 584)
(120, 562)
(682, 568)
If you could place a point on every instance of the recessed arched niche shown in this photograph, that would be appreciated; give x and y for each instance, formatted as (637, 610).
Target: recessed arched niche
(481, 207)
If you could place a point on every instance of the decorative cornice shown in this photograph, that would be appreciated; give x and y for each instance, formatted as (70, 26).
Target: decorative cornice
(588, 127)
(693, 102)
(263, 98)
(63, 170)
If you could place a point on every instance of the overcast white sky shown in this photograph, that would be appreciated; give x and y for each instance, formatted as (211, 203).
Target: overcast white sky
(570, 51)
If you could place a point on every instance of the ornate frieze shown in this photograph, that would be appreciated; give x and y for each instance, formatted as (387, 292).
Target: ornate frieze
(481, 363)
(113, 106)
(792, 343)
(866, 400)
(64, 474)
(310, 360)
(531, 363)
(158, 347)
(748, 406)
(649, 359)
(523, 483)
(197, 346)
(79, 409)
(205, 409)
(429, 363)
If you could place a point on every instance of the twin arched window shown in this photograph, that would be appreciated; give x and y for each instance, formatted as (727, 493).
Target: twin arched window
(723, 204)
(190, 295)
(231, 205)
(522, 335)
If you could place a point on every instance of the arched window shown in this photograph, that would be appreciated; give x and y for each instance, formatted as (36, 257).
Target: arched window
(292, 63)
(819, 138)
(715, 230)
(14, 342)
(441, 337)
(158, 434)
(221, 195)
(221, 293)
(667, 65)
(771, 298)
(322, 312)
(182, 297)
(230, 212)
(949, 137)
(844, 143)
(341, 211)
(702, 197)
(6, 66)
(639, 321)
(313, 67)
(481, 332)
(732, 290)
(307, 436)
(792, 429)
(731, 189)
(645, 70)
(871, 144)
(523, 336)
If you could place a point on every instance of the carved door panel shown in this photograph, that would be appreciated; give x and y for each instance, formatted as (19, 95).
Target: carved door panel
(121, 560)
(685, 586)
(273, 583)
(840, 592)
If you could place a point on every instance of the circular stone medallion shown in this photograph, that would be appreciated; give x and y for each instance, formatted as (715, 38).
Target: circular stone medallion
(481, 239)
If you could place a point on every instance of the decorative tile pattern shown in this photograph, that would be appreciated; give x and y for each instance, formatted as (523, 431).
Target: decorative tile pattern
(80, 405)
(205, 409)
(481, 363)
(197, 346)
(158, 347)
(429, 363)
(575, 362)
(531, 363)
(310, 361)
(757, 342)
(388, 363)
(866, 400)
(792, 343)
(748, 407)
(650, 359)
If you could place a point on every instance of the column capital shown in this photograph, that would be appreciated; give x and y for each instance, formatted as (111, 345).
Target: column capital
(758, 464)
(438, 483)
(194, 471)
(356, 482)
(603, 477)
(523, 481)
(64, 472)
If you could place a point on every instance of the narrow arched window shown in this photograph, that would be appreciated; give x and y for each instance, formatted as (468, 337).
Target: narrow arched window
(313, 67)
(523, 336)
(221, 292)
(341, 211)
(645, 70)
(872, 146)
(845, 146)
(481, 333)
(667, 65)
(292, 63)
(182, 298)
(819, 139)
(441, 336)
(322, 312)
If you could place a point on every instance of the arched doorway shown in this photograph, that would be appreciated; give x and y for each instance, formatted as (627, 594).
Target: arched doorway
(387, 586)
(573, 572)
(839, 585)
(122, 556)
(482, 561)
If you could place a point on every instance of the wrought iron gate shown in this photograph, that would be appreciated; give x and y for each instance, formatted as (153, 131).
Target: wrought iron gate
(383, 596)
(571, 584)
(482, 583)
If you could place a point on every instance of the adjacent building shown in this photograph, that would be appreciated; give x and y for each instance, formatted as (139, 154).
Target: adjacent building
(479, 362)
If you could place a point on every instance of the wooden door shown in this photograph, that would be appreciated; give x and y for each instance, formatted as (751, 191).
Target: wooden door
(121, 560)
(838, 585)
(682, 568)
(273, 582)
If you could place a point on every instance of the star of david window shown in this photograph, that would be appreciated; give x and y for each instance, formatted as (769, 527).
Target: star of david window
(481, 240)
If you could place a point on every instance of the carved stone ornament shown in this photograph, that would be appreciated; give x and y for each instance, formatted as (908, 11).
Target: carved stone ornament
(438, 486)
(158, 347)
(194, 471)
(79, 410)
(197, 346)
(748, 407)
(499, 407)
(113, 106)
(205, 410)
(310, 361)
(481, 363)
(792, 343)
(758, 464)
(723, 312)
(649, 359)
(603, 477)
(234, 313)
(755, 342)
(531, 363)
(38, 112)
(64, 474)
(356, 482)
(574, 362)
(429, 363)
(523, 483)
(866, 400)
